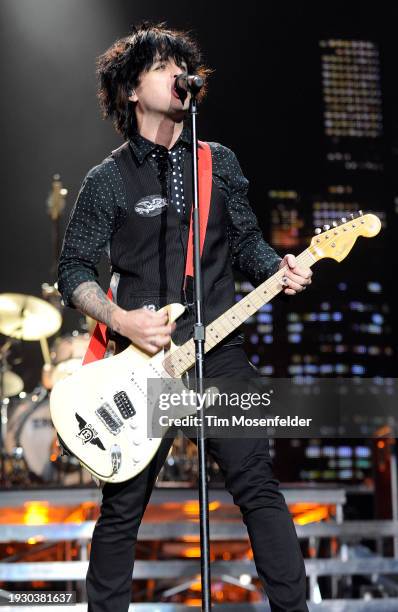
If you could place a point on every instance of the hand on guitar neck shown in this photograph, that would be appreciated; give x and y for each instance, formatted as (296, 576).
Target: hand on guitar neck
(296, 277)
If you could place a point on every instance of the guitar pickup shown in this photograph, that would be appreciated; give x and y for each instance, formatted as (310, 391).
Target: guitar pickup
(124, 404)
(109, 418)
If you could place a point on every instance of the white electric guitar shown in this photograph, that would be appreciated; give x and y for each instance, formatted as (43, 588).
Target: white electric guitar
(101, 411)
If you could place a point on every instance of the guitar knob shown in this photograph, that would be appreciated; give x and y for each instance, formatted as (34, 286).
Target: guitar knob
(335, 224)
(326, 227)
(318, 231)
(343, 219)
(360, 212)
(352, 215)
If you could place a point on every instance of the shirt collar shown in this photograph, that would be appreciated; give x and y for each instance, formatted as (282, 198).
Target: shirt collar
(142, 147)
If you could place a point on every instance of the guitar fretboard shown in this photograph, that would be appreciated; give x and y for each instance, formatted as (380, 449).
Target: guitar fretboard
(183, 358)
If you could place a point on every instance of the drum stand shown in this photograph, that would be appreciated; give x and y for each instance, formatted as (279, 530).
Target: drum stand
(4, 350)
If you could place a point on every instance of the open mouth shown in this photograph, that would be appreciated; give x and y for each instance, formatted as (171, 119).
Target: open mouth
(175, 93)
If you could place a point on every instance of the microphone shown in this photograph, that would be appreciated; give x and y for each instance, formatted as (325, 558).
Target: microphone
(189, 82)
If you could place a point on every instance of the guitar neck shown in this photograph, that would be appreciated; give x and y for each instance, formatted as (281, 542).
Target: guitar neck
(183, 358)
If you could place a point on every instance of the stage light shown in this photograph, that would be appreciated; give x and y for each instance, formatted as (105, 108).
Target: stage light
(245, 579)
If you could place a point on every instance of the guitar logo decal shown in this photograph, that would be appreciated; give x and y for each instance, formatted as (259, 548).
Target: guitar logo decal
(87, 433)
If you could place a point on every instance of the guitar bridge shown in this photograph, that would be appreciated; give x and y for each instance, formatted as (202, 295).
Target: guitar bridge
(124, 404)
(109, 418)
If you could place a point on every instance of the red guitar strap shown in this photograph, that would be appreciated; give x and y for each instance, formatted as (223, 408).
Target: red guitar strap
(99, 339)
(204, 180)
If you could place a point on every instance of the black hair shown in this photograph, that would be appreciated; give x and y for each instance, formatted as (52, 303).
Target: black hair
(119, 68)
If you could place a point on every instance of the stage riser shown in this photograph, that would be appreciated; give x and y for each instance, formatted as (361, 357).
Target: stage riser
(160, 495)
(219, 530)
(76, 570)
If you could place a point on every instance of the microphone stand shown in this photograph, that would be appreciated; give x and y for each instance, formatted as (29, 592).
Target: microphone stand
(199, 340)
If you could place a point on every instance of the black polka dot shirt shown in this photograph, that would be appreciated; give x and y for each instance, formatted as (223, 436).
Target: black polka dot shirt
(100, 208)
(169, 167)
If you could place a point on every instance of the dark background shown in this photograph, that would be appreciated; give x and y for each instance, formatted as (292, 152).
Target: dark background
(264, 102)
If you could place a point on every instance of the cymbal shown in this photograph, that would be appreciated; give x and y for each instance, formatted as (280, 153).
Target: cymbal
(12, 384)
(27, 317)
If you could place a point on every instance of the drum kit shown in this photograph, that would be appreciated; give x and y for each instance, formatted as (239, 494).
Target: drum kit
(30, 452)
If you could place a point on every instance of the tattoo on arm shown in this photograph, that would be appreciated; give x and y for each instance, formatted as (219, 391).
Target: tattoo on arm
(92, 301)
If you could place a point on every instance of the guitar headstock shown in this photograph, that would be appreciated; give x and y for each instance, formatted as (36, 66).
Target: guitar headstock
(337, 240)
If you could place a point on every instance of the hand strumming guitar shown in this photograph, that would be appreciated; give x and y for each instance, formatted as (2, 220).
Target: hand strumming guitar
(146, 329)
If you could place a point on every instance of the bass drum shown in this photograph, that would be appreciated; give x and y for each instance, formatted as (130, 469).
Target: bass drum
(31, 446)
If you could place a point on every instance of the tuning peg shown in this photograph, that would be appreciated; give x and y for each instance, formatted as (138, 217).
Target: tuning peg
(343, 219)
(326, 227)
(360, 213)
(335, 224)
(318, 231)
(352, 215)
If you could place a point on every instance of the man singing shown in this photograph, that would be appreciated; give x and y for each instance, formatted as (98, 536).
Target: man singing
(135, 205)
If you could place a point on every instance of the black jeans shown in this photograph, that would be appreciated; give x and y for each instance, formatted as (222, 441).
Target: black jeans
(247, 467)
